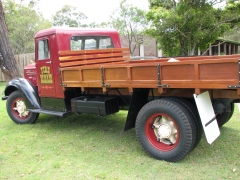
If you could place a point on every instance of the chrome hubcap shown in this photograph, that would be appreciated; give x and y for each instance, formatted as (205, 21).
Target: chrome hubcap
(21, 108)
(165, 130)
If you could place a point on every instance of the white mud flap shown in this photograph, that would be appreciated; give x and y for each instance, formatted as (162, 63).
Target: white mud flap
(207, 115)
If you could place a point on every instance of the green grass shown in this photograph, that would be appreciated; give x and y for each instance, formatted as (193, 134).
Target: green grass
(92, 147)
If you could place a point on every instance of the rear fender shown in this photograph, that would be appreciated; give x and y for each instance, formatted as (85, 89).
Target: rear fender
(27, 89)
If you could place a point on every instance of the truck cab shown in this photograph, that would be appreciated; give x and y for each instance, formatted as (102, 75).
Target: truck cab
(44, 73)
(41, 91)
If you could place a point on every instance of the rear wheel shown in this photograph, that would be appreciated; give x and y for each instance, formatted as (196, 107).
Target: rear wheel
(195, 116)
(224, 117)
(17, 110)
(166, 130)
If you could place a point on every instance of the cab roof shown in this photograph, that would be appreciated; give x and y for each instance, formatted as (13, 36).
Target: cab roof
(76, 31)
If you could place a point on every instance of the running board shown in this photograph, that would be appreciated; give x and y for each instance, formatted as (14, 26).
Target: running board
(43, 111)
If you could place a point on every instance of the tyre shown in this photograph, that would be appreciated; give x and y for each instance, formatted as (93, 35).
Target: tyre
(231, 113)
(16, 109)
(165, 130)
(224, 117)
(195, 116)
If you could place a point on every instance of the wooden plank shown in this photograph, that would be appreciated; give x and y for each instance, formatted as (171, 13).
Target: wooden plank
(188, 60)
(146, 73)
(112, 74)
(214, 71)
(154, 63)
(87, 57)
(94, 61)
(178, 72)
(93, 56)
(76, 52)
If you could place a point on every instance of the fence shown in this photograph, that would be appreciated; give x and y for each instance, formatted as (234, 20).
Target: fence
(22, 60)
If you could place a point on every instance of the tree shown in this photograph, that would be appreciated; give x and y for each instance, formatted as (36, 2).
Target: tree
(69, 16)
(233, 34)
(184, 26)
(23, 22)
(233, 10)
(8, 63)
(130, 21)
(95, 25)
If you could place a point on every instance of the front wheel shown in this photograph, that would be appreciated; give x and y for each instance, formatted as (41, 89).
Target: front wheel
(165, 129)
(17, 110)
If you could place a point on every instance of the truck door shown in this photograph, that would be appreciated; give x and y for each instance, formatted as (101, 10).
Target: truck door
(45, 71)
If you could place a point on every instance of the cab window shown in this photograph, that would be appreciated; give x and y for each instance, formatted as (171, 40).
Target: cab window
(43, 49)
(76, 44)
(105, 43)
(90, 42)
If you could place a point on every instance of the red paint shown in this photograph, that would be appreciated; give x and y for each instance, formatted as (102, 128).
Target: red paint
(152, 137)
(30, 73)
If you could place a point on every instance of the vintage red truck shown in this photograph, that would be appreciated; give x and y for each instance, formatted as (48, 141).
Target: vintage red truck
(170, 101)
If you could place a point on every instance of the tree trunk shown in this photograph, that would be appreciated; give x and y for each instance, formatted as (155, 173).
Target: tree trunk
(8, 62)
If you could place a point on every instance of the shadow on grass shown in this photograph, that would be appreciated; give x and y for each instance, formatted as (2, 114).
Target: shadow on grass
(223, 150)
(105, 131)
(116, 122)
(88, 125)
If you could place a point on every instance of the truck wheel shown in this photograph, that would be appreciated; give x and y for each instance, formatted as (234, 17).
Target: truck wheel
(225, 116)
(16, 109)
(165, 130)
(231, 113)
(195, 116)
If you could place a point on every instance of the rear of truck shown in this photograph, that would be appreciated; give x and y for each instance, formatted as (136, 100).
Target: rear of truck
(171, 102)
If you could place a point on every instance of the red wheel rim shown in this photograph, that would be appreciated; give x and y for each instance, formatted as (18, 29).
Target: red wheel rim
(150, 132)
(15, 112)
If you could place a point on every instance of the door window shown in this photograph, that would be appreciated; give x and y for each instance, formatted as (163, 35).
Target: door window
(43, 49)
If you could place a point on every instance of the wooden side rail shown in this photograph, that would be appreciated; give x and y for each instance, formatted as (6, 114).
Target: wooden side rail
(208, 74)
(86, 57)
(194, 58)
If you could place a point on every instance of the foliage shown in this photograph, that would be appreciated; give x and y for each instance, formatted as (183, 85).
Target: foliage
(184, 26)
(23, 22)
(233, 34)
(168, 4)
(130, 21)
(233, 10)
(91, 147)
(95, 25)
(69, 16)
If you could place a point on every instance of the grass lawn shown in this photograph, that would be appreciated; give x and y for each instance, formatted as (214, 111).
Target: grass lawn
(92, 147)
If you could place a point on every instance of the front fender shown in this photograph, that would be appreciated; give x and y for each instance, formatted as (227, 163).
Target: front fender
(28, 90)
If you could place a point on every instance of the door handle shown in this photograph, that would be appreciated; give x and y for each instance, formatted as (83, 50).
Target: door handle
(49, 62)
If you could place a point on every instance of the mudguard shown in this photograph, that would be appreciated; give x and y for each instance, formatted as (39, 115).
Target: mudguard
(28, 90)
(138, 100)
